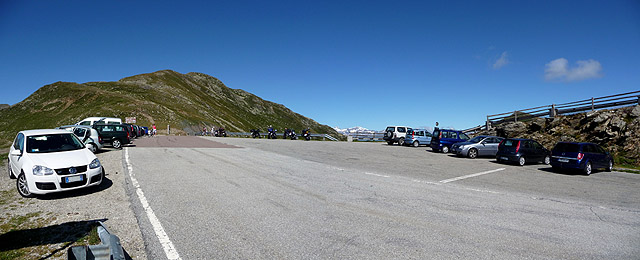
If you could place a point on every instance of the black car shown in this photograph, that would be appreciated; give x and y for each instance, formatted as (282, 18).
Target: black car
(116, 135)
(522, 151)
(580, 156)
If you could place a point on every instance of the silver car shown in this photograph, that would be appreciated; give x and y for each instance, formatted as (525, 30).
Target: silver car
(417, 137)
(481, 145)
(89, 136)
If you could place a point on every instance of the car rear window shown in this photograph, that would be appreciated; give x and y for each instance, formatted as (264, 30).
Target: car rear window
(410, 132)
(391, 128)
(567, 148)
(510, 143)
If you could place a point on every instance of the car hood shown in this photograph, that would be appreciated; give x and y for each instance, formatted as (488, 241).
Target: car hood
(64, 159)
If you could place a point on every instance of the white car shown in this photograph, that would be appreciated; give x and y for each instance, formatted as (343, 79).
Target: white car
(105, 120)
(52, 160)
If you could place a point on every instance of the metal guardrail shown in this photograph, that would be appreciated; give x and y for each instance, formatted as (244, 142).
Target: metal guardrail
(367, 136)
(109, 248)
(264, 135)
(553, 110)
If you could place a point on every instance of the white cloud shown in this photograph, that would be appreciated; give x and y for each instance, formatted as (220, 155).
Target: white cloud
(501, 62)
(559, 69)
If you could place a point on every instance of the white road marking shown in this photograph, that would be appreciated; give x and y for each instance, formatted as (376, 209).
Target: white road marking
(379, 175)
(167, 245)
(470, 175)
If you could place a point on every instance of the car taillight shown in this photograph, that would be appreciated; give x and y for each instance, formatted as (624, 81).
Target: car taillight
(440, 135)
(128, 137)
(500, 144)
(100, 139)
(580, 156)
(518, 147)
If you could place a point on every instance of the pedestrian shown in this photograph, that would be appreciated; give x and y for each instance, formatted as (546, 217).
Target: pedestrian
(153, 131)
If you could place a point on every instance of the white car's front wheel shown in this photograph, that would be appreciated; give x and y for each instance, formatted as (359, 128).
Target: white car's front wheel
(23, 186)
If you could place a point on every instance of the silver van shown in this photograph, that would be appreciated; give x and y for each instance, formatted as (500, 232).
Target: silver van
(417, 137)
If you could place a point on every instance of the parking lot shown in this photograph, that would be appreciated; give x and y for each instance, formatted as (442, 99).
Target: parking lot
(296, 199)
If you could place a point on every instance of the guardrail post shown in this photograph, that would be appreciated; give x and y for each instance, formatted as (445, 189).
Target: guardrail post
(488, 124)
(515, 115)
(592, 107)
(552, 111)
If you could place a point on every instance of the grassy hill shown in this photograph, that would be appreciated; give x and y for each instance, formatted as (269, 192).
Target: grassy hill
(186, 102)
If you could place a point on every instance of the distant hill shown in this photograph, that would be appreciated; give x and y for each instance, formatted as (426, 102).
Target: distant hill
(186, 102)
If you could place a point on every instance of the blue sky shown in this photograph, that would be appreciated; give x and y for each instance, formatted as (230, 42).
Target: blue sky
(342, 63)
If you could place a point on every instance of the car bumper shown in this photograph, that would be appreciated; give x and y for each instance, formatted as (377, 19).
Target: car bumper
(566, 163)
(57, 183)
(508, 157)
(459, 151)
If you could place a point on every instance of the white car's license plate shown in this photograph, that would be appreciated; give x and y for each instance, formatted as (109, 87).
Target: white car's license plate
(73, 179)
(504, 158)
(563, 160)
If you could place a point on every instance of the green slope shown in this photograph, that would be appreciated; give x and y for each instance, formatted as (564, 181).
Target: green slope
(187, 102)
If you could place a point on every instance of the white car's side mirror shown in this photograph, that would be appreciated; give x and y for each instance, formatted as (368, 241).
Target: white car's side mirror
(16, 153)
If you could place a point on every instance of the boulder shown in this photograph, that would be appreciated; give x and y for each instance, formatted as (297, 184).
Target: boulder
(636, 111)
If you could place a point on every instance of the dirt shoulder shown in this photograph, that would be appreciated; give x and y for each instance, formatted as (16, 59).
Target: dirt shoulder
(45, 226)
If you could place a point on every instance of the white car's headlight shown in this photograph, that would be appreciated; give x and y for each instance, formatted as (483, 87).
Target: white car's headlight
(42, 170)
(94, 164)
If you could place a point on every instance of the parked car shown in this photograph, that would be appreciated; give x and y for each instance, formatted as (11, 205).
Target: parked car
(51, 160)
(101, 120)
(443, 139)
(417, 137)
(89, 136)
(145, 130)
(116, 135)
(580, 156)
(522, 151)
(481, 145)
(395, 134)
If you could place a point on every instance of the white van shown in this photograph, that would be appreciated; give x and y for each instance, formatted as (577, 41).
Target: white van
(106, 120)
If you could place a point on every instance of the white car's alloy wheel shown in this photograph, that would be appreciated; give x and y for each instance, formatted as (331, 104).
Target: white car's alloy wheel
(23, 187)
(522, 161)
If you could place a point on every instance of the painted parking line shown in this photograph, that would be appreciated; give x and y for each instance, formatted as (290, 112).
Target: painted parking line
(470, 175)
(167, 245)
(378, 175)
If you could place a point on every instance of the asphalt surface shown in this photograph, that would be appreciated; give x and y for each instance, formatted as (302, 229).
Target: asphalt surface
(335, 200)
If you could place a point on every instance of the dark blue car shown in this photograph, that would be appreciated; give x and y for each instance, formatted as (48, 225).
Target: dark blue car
(580, 156)
(443, 139)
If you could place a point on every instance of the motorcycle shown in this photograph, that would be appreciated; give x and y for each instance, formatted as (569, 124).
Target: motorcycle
(293, 135)
(221, 132)
(306, 134)
(255, 133)
(272, 134)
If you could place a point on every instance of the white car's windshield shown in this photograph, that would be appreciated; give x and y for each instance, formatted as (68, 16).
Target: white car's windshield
(53, 143)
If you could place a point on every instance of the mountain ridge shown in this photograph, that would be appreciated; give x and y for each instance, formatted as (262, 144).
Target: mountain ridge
(187, 102)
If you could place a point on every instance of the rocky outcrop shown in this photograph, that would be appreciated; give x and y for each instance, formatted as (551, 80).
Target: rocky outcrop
(617, 130)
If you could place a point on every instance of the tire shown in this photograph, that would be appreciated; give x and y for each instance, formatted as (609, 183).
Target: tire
(23, 187)
(547, 160)
(522, 161)
(116, 144)
(587, 169)
(445, 149)
(609, 166)
(473, 153)
(9, 171)
(390, 142)
(416, 144)
(401, 141)
(92, 147)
